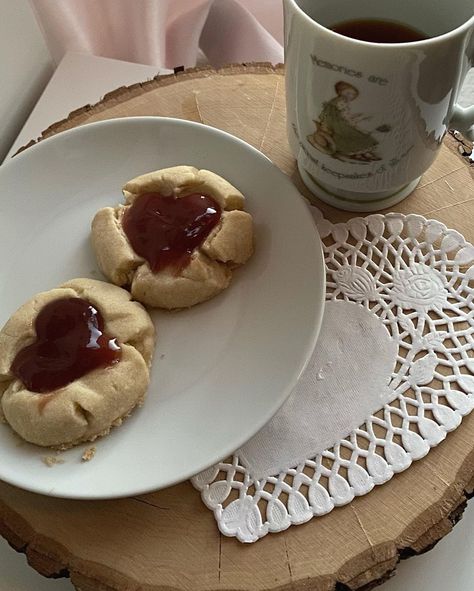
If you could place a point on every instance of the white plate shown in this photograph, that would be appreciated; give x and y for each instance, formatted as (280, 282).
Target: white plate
(221, 369)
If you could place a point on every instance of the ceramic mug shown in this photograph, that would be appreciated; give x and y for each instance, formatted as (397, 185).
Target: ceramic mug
(366, 120)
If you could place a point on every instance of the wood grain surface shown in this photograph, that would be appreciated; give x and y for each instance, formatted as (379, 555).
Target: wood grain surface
(168, 539)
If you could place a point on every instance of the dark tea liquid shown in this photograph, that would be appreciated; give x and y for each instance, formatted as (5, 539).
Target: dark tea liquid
(378, 31)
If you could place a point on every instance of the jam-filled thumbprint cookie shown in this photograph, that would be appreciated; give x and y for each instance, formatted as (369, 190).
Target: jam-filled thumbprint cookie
(74, 362)
(177, 239)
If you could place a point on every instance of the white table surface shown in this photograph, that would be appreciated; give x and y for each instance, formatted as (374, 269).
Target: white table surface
(82, 79)
(79, 80)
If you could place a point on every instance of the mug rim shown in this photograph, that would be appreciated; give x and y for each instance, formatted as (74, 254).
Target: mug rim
(430, 40)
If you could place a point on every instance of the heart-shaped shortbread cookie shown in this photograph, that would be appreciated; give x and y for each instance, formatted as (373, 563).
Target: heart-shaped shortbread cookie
(177, 239)
(59, 380)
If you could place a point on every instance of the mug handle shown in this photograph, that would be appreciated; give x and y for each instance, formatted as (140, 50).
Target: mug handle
(463, 120)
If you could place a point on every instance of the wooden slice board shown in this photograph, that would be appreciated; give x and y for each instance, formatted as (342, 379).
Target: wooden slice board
(168, 539)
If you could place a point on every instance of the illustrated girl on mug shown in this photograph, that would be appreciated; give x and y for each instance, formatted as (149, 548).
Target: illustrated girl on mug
(337, 132)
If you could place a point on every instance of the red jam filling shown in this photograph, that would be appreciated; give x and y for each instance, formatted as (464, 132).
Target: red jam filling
(166, 230)
(70, 342)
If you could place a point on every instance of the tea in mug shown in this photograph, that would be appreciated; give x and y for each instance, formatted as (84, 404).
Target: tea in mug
(378, 31)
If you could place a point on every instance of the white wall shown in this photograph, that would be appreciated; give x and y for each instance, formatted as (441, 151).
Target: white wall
(25, 67)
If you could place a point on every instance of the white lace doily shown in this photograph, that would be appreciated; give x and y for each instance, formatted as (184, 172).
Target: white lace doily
(416, 276)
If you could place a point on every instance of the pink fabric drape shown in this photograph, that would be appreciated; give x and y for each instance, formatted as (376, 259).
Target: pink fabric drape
(165, 33)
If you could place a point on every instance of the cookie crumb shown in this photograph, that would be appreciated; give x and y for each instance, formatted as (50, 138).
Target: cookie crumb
(162, 356)
(88, 454)
(51, 461)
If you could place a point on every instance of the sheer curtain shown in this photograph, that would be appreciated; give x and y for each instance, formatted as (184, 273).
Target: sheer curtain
(165, 33)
